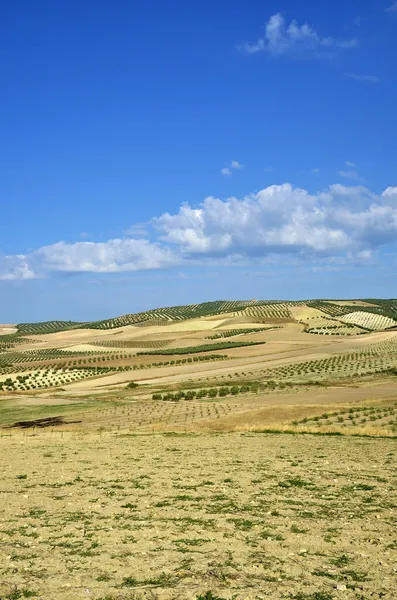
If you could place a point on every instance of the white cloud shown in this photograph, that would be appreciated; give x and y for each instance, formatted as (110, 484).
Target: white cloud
(348, 163)
(392, 8)
(15, 267)
(280, 219)
(351, 175)
(339, 225)
(390, 192)
(299, 41)
(363, 78)
(138, 230)
(234, 165)
(316, 170)
(113, 256)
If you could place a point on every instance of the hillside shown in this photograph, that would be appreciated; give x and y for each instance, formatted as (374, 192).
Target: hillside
(215, 337)
(250, 308)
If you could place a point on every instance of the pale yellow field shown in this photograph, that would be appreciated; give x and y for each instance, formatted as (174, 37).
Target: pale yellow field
(89, 348)
(7, 329)
(157, 517)
(301, 313)
(351, 303)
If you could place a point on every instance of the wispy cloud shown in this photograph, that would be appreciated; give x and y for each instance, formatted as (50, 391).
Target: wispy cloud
(316, 170)
(228, 171)
(138, 230)
(296, 41)
(280, 222)
(392, 8)
(351, 175)
(363, 78)
(348, 163)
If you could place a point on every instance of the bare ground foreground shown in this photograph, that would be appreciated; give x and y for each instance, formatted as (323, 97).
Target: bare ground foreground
(174, 516)
(176, 454)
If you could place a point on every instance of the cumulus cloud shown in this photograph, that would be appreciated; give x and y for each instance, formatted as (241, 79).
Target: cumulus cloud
(299, 41)
(112, 256)
(16, 267)
(228, 171)
(281, 219)
(390, 192)
(339, 225)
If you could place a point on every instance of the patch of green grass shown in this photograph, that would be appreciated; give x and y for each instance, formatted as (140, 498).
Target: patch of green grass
(192, 542)
(16, 593)
(9, 413)
(162, 580)
(313, 596)
(295, 482)
(243, 524)
(269, 535)
(296, 529)
(209, 596)
(341, 561)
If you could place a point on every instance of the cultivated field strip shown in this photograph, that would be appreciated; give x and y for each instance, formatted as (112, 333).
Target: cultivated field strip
(8, 341)
(8, 358)
(362, 416)
(202, 348)
(373, 358)
(369, 321)
(234, 332)
(132, 343)
(156, 415)
(44, 378)
(173, 313)
(272, 311)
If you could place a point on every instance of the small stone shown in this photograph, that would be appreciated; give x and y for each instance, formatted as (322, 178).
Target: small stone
(341, 587)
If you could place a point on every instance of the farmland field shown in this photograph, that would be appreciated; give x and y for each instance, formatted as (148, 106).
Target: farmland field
(227, 450)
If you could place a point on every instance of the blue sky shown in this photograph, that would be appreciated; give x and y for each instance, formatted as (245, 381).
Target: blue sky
(167, 153)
